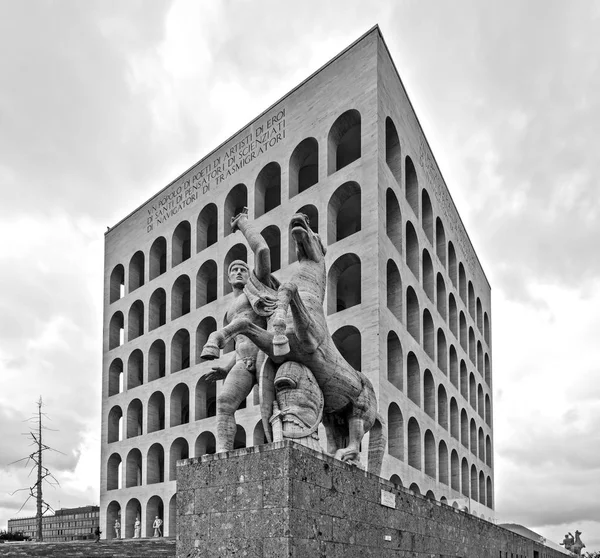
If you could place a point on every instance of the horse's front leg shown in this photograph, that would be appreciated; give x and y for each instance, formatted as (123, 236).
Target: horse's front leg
(218, 339)
(281, 344)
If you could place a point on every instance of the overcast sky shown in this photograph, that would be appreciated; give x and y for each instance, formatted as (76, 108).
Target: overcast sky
(102, 103)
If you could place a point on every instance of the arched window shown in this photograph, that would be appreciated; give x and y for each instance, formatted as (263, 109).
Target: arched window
(442, 407)
(236, 252)
(394, 360)
(413, 316)
(452, 269)
(482, 487)
(207, 227)
(154, 508)
(443, 462)
(488, 410)
(155, 467)
(113, 472)
(267, 189)
(206, 399)
(116, 331)
(182, 243)
(393, 157)
(440, 241)
(393, 219)
(206, 283)
(156, 412)
(464, 380)
(464, 429)
(394, 290)
(259, 437)
(180, 351)
(412, 185)
(171, 527)
(465, 477)
(343, 212)
(488, 370)
(479, 357)
(113, 512)
(429, 393)
(474, 495)
(454, 420)
(115, 377)
(412, 249)
(135, 369)
(413, 379)
(136, 271)
(133, 468)
(471, 294)
(441, 296)
(472, 391)
(427, 216)
(454, 471)
(428, 275)
(235, 202)
(180, 405)
(117, 283)
(239, 440)
(348, 342)
(272, 236)
(158, 257)
(304, 166)
(479, 315)
(313, 220)
(207, 326)
(480, 403)
(462, 282)
(180, 297)
(344, 283)
(488, 451)
(134, 419)
(157, 314)
(343, 141)
(463, 332)
(205, 444)
(489, 494)
(428, 335)
(414, 487)
(472, 346)
(473, 437)
(414, 444)
(180, 449)
(453, 358)
(115, 431)
(453, 315)
(481, 444)
(396, 480)
(156, 360)
(135, 320)
(442, 352)
(430, 454)
(486, 328)
(395, 432)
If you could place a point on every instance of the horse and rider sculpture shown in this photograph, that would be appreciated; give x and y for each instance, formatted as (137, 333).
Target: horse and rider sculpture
(288, 328)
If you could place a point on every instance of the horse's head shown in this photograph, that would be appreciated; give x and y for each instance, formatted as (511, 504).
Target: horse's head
(308, 243)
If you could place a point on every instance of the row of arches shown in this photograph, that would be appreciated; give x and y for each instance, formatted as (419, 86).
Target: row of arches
(425, 454)
(159, 463)
(344, 147)
(134, 509)
(444, 249)
(421, 389)
(422, 328)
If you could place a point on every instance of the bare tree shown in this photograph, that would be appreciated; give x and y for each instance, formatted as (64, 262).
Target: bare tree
(42, 472)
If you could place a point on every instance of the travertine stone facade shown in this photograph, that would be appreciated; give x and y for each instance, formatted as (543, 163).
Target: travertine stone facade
(287, 500)
(407, 300)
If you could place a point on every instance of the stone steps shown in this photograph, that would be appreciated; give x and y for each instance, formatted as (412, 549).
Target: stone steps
(128, 548)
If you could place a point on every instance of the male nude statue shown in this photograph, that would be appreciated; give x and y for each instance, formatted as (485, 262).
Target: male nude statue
(255, 300)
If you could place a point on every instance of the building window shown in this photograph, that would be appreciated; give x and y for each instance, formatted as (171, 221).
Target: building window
(343, 142)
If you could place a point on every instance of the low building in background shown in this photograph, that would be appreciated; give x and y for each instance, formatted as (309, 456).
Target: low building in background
(68, 524)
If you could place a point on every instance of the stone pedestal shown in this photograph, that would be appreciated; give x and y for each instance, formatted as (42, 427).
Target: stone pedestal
(286, 500)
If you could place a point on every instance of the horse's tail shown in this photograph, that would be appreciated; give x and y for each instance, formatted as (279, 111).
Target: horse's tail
(377, 444)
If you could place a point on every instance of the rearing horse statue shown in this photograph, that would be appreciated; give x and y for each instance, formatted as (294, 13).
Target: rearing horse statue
(301, 335)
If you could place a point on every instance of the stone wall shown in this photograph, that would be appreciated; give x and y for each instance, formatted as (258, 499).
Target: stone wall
(285, 500)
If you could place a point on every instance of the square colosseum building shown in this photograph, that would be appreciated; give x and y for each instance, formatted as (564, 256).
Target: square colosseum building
(407, 300)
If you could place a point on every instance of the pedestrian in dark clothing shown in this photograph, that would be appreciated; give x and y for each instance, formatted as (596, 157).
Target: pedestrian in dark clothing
(97, 532)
